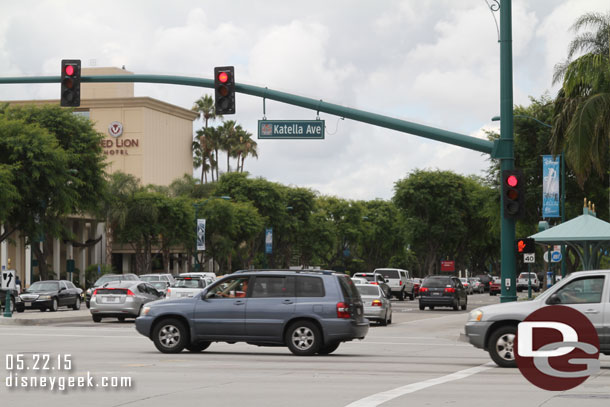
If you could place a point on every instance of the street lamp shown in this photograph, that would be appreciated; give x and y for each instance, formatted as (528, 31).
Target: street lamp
(198, 205)
(562, 196)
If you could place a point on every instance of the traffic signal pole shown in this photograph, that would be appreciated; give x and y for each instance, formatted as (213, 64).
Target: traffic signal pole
(507, 158)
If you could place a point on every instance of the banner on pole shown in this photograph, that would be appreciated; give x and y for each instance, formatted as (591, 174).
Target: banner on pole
(550, 186)
(268, 240)
(200, 234)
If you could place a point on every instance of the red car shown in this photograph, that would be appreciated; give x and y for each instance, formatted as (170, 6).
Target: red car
(416, 285)
(494, 286)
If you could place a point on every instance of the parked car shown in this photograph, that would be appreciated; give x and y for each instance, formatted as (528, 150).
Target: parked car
(467, 286)
(50, 295)
(184, 287)
(308, 311)
(13, 299)
(523, 281)
(494, 286)
(442, 291)
(399, 281)
(377, 307)
(477, 285)
(416, 286)
(493, 327)
(121, 299)
(485, 280)
(149, 278)
(106, 278)
(374, 278)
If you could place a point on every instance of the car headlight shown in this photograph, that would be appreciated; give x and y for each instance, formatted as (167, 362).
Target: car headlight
(145, 311)
(44, 297)
(475, 315)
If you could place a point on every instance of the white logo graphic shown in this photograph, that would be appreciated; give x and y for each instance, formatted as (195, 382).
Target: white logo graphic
(525, 333)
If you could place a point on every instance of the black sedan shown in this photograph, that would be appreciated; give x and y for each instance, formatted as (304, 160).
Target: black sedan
(442, 291)
(50, 295)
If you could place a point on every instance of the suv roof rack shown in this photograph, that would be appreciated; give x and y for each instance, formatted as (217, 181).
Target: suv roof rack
(309, 271)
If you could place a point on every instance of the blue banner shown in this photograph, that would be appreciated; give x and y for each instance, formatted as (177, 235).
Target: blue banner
(550, 186)
(268, 240)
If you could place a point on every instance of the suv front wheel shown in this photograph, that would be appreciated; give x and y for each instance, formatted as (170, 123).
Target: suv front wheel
(303, 338)
(170, 336)
(501, 346)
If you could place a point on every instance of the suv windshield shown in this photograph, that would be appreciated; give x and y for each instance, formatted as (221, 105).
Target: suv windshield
(389, 273)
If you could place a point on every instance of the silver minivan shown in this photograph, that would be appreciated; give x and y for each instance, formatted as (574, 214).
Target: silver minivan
(494, 327)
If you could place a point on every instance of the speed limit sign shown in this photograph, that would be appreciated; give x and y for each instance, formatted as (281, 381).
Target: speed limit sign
(529, 258)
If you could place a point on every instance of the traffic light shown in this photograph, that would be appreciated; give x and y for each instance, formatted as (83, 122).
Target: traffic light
(513, 194)
(70, 82)
(525, 246)
(224, 90)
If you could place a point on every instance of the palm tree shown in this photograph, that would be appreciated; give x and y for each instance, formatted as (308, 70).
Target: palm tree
(213, 143)
(120, 187)
(582, 106)
(207, 111)
(228, 131)
(246, 146)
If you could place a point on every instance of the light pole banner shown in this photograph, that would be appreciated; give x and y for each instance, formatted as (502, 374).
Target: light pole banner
(268, 240)
(550, 186)
(200, 234)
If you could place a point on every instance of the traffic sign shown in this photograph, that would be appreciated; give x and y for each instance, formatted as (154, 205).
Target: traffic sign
(291, 129)
(8, 279)
(529, 258)
(555, 256)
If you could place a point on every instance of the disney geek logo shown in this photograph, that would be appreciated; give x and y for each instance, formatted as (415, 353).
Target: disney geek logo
(557, 348)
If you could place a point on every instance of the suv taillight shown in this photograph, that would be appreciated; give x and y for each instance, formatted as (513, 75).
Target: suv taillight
(343, 310)
(400, 283)
(449, 290)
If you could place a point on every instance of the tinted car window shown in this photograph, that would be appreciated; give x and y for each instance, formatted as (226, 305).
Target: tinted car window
(371, 290)
(436, 282)
(389, 273)
(348, 288)
(310, 286)
(273, 286)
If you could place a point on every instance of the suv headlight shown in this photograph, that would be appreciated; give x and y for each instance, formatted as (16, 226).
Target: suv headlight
(145, 311)
(475, 315)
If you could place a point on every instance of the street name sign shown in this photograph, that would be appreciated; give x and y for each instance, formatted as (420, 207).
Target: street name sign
(291, 129)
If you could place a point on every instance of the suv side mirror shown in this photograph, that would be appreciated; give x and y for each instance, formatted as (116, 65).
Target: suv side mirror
(554, 299)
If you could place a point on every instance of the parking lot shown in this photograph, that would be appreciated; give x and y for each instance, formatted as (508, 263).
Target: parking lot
(417, 360)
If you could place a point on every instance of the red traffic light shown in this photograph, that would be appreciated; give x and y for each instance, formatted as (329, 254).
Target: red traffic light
(512, 181)
(69, 70)
(223, 77)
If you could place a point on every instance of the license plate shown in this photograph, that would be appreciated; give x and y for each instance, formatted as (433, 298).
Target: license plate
(27, 303)
(436, 293)
(111, 299)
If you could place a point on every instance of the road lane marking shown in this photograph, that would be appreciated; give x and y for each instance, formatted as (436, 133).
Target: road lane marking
(380, 398)
(74, 336)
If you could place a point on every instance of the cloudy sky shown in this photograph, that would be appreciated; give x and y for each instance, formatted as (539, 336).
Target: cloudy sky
(433, 62)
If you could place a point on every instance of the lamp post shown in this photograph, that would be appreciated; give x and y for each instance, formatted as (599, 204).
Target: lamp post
(198, 205)
(562, 195)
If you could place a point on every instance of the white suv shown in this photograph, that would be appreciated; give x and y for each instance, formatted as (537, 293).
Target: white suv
(400, 282)
(522, 282)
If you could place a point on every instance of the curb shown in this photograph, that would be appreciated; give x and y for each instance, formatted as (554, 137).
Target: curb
(43, 321)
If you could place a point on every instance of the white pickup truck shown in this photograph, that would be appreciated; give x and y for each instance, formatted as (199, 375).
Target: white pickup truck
(400, 282)
(522, 281)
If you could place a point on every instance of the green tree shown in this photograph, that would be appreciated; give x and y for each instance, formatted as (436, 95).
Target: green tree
(582, 106)
(202, 147)
(8, 191)
(59, 170)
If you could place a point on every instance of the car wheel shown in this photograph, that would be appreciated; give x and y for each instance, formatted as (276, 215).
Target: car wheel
(198, 347)
(384, 320)
(465, 305)
(76, 305)
(328, 349)
(422, 307)
(88, 304)
(390, 320)
(501, 346)
(170, 336)
(431, 307)
(121, 319)
(20, 308)
(412, 295)
(303, 338)
(456, 305)
(54, 305)
(402, 296)
(96, 318)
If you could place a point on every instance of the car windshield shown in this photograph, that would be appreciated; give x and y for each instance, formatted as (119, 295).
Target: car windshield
(44, 286)
(437, 282)
(388, 273)
(525, 275)
(159, 285)
(367, 277)
(150, 278)
(106, 279)
(189, 283)
(368, 290)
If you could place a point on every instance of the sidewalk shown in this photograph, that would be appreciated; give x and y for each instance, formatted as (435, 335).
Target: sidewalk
(36, 317)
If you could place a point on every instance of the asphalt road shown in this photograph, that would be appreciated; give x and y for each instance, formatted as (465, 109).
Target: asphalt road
(416, 361)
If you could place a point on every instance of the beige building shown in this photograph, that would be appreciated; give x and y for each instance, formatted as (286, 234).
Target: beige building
(145, 137)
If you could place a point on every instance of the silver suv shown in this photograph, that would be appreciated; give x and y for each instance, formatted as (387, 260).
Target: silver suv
(494, 327)
(308, 311)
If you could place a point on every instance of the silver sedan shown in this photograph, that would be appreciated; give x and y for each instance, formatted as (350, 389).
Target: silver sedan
(377, 307)
(121, 299)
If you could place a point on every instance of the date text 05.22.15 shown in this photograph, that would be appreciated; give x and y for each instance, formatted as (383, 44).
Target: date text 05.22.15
(20, 362)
